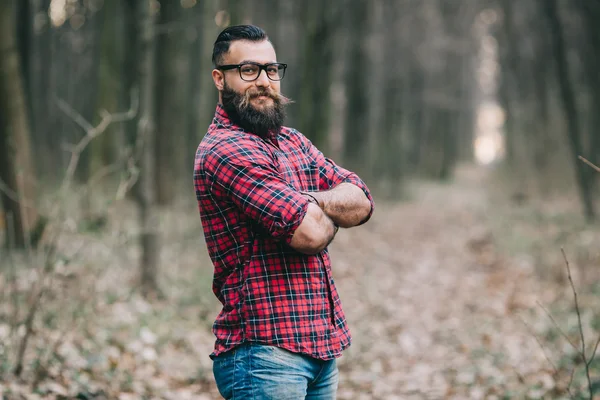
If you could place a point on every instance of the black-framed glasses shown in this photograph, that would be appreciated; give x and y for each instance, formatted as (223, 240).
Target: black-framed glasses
(250, 71)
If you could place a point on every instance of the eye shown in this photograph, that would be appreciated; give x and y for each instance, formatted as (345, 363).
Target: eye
(249, 69)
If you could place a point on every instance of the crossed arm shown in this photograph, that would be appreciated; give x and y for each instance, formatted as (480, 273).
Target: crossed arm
(344, 206)
(308, 222)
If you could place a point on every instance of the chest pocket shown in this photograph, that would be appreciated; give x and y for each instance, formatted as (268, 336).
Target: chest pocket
(308, 175)
(302, 175)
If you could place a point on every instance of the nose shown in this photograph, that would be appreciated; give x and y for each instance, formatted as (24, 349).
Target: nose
(263, 79)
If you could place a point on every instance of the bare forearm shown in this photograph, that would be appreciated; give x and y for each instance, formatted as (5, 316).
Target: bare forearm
(315, 232)
(346, 204)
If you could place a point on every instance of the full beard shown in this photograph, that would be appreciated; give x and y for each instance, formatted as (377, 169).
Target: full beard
(263, 122)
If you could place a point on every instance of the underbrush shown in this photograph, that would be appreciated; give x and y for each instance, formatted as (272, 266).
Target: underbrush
(93, 335)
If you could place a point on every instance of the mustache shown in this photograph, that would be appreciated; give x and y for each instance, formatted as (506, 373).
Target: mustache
(253, 93)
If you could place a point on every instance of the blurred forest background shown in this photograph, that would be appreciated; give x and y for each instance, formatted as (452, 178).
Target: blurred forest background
(437, 104)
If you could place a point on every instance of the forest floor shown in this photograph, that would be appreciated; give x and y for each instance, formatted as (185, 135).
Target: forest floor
(458, 292)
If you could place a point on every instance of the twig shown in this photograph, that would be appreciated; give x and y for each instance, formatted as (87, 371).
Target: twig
(72, 325)
(14, 287)
(588, 162)
(91, 132)
(14, 196)
(43, 366)
(124, 184)
(29, 327)
(571, 380)
(594, 352)
(537, 339)
(558, 327)
(583, 355)
(556, 372)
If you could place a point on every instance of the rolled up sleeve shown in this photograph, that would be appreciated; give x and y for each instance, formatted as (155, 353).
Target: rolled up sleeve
(252, 182)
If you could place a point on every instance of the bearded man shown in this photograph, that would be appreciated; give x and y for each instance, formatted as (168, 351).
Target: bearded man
(270, 203)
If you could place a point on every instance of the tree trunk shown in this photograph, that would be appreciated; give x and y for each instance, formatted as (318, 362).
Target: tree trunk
(171, 105)
(208, 96)
(317, 70)
(114, 91)
(288, 35)
(236, 9)
(357, 112)
(415, 121)
(146, 131)
(569, 104)
(509, 91)
(84, 96)
(129, 71)
(24, 36)
(195, 51)
(542, 139)
(130, 78)
(16, 170)
(41, 61)
(389, 155)
(448, 130)
(590, 12)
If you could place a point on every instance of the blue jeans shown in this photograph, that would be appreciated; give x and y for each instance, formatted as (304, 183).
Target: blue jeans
(257, 372)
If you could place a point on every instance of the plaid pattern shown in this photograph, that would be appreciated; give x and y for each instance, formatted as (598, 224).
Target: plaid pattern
(248, 196)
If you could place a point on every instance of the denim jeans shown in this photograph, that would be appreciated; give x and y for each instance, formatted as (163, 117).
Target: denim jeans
(257, 372)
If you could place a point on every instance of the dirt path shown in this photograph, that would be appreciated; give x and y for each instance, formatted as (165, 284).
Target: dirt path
(433, 309)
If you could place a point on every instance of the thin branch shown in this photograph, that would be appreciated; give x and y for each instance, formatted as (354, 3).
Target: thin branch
(33, 308)
(556, 372)
(594, 352)
(126, 184)
(571, 380)
(13, 279)
(588, 162)
(537, 339)
(108, 170)
(14, 196)
(74, 115)
(558, 327)
(91, 132)
(583, 355)
(38, 291)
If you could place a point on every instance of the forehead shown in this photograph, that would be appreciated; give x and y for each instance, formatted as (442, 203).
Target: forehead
(245, 50)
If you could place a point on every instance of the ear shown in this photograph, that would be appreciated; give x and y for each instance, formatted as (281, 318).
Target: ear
(218, 79)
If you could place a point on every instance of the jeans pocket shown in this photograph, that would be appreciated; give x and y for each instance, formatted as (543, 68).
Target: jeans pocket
(266, 354)
(223, 371)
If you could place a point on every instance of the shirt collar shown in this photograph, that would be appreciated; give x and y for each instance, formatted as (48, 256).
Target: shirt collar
(221, 116)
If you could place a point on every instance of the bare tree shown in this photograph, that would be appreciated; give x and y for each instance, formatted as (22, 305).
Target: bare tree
(171, 79)
(149, 223)
(24, 15)
(317, 56)
(590, 12)
(569, 103)
(357, 112)
(195, 46)
(16, 171)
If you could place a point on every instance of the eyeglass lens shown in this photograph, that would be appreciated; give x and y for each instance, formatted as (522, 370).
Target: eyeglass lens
(249, 72)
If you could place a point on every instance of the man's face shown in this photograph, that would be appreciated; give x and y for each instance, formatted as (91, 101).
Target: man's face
(258, 105)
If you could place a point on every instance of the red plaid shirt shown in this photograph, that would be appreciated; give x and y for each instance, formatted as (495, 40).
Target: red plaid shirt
(248, 192)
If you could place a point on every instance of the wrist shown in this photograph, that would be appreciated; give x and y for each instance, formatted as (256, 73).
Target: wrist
(313, 197)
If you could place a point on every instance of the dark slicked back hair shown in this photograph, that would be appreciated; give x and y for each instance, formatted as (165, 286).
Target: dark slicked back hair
(233, 33)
